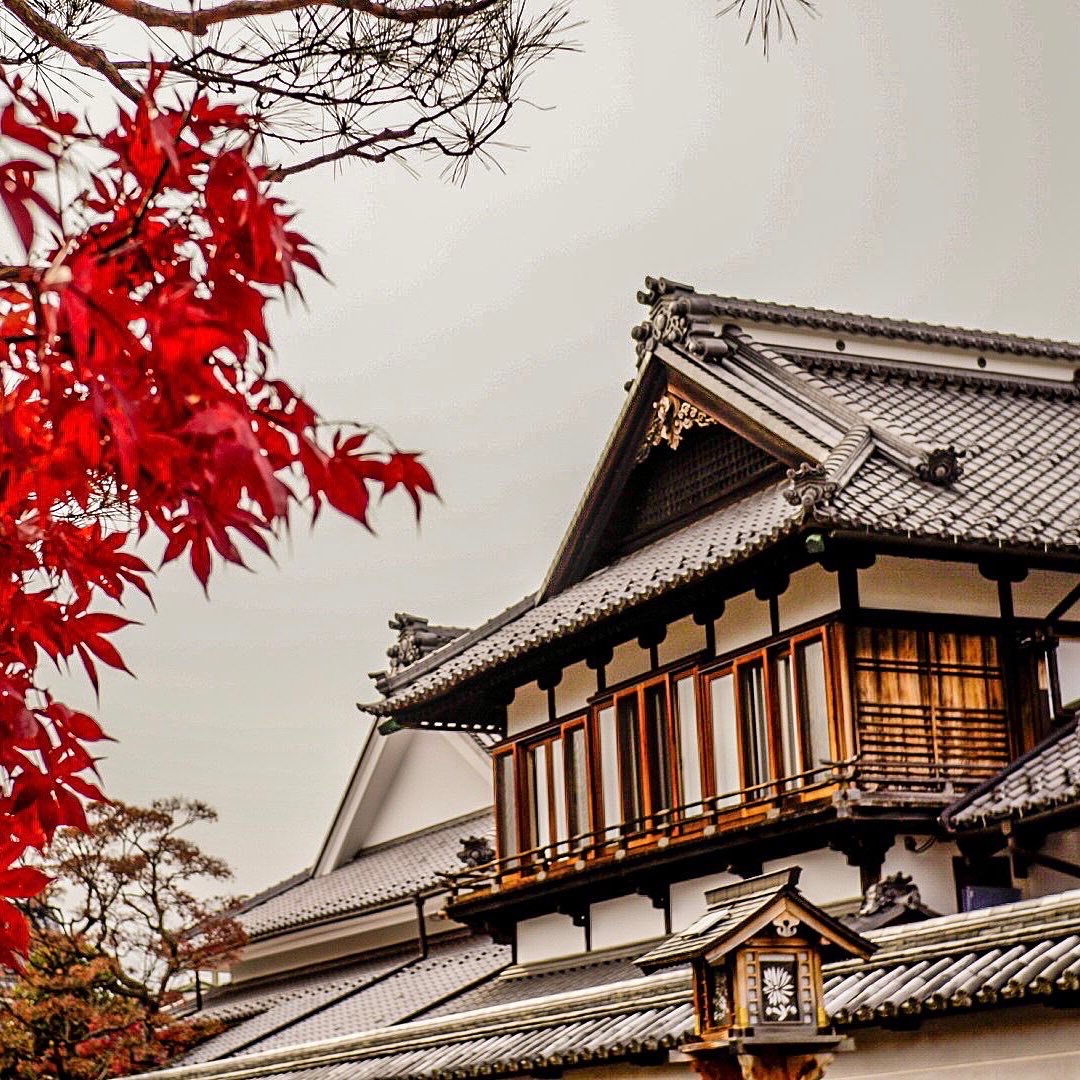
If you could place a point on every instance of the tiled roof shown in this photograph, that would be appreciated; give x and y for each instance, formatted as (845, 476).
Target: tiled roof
(1013, 954)
(516, 984)
(361, 997)
(737, 531)
(377, 876)
(739, 904)
(1044, 778)
(267, 1010)
(600, 1024)
(875, 326)
(1018, 952)
(873, 425)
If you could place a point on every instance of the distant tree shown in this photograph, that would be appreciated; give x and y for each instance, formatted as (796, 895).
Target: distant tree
(116, 936)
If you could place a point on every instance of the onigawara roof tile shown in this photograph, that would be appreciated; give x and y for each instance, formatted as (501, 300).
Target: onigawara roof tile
(1045, 778)
(875, 426)
(377, 876)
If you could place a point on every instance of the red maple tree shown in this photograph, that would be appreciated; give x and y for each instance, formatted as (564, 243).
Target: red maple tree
(137, 398)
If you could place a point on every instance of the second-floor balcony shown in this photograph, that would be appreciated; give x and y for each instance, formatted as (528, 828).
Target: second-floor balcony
(833, 720)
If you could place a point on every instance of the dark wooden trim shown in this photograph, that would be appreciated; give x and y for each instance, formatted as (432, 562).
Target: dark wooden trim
(847, 584)
(1062, 606)
(774, 614)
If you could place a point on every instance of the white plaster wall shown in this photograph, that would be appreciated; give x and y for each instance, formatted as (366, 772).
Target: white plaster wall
(434, 782)
(577, 685)
(745, 620)
(628, 660)
(529, 709)
(826, 877)
(624, 920)
(1033, 1042)
(688, 898)
(1041, 591)
(548, 937)
(813, 592)
(684, 638)
(931, 870)
(1041, 881)
(924, 585)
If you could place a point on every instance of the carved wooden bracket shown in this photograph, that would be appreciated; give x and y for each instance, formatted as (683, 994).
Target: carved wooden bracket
(673, 417)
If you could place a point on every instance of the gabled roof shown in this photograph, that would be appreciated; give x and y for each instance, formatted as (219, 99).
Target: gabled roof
(930, 446)
(739, 910)
(378, 876)
(1045, 778)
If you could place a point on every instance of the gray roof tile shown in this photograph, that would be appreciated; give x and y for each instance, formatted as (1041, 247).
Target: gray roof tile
(1045, 778)
(359, 997)
(1016, 952)
(378, 875)
(1020, 485)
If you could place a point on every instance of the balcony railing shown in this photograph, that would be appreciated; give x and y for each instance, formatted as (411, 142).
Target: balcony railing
(935, 781)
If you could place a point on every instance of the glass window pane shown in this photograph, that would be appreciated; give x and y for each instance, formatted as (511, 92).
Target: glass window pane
(626, 715)
(755, 727)
(813, 700)
(725, 740)
(609, 766)
(506, 806)
(658, 750)
(577, 785)
(558, 784)
(539, 804)
(790, 736)
(1068, 662)
(689, 750)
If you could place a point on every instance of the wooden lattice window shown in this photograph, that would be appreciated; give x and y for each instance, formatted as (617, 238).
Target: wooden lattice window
(930, 705)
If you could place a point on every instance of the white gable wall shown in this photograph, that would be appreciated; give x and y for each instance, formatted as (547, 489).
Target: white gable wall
(436, 779)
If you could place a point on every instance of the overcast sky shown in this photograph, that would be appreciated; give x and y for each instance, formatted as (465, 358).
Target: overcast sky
(915, 159)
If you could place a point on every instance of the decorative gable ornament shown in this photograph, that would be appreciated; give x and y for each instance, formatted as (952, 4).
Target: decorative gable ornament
(672, 417)
(759, 998)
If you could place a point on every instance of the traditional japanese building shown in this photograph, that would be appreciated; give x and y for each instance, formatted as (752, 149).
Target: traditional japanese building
(819, 608)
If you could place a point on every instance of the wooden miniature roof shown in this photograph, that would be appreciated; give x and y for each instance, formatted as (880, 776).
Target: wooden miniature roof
(741, 910)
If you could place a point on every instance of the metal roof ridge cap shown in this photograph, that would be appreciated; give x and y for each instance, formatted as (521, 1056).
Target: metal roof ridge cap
(671, 990)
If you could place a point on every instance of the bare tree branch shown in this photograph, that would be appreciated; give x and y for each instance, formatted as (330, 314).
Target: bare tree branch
(199, 22)
(87, 56)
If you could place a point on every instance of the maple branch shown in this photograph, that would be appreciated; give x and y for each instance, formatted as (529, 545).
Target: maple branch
(89, 56)
(199, 22)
